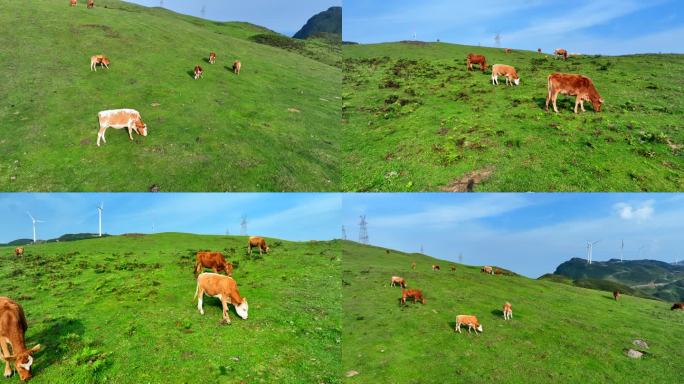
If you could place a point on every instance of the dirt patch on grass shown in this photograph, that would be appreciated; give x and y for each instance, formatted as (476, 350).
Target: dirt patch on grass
(108, 31)
(467, 182)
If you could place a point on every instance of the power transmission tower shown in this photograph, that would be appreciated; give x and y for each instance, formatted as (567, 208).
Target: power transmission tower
(227, 232)
(363, 230)
(497, 39)
(460, 258)
(421, 250)
(344, 233)
(203, 11)
(243, 226)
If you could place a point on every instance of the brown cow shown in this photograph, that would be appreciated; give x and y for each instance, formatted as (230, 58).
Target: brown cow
(198, 72)
(237, 65)
(120, 118)
(416, 294)
(507, 50)
(98, 59)
(72, 2)
(212, 57)
(507, 311)
(435, 267)
(487, 269)
(413, 265)
(13, 327)
(677, 306)
(399, 281)
(225, 289)
(476, 59)
(573, 85)
(18, 251)
(453, 268)
(507, 71)
(256, 241)
(213, 260)
(91, 3)
(470, 321)
(616, 294)
(498, 271)
(561, 52)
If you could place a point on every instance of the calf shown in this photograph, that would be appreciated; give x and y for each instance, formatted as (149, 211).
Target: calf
(212, 57)
(18, 251)
(13, 327)
(399, 281)
(98, 59)
(225, 289)
(505, 70)
(435, 267)
(507, 311)
(476, 59)
(616, 294)
(120, 118)
(213, 260)
(237, 65)
(573, 85)
(487, 269)
(677, 306)
(197, 71)
(91, 3)
(413, 265)
(470, 321)
(416, 294)
(256, 241)
(72, 2)
(561, 52)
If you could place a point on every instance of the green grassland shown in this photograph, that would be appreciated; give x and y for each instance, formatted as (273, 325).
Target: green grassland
(273, 128)
(559, 333)
(120, 309)
(415, 120)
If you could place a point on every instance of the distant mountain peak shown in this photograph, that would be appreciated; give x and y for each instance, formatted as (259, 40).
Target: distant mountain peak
(327, 22)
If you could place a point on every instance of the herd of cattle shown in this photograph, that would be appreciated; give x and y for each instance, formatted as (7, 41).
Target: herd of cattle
(470, 321)
(557, 83)
(13, 323)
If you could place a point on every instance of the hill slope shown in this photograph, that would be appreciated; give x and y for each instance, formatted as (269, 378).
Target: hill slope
(328, 21)
(558, 333)
(414, 119)
(273, 128)
(120, 309)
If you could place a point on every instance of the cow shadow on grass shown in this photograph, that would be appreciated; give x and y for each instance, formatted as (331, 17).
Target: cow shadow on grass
(563, 103)
(206, 60)
(497, 313)
(191, 73)
(62, 335)
(228, 68)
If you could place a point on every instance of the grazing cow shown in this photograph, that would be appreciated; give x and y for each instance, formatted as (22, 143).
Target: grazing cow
(198, 72)
(561, 52)
(120, 118)
(72, 2)
(476, 59)
(98, 59)
(507, 50)
(91, 3)
(256, 241)
(573, 85)
(453, 268)
(677, 306)
(237, 65)
(616, 294)
(413, 265)
(399, 281)
(507, 311)
(225, 289)
(212, 57)
(505, 70)
(487, 269)
(13, 327)
(213, 260)
(435, 267)
(416, 294)
(18, 251)
(470, 321)
(498, 271)
(539, 50)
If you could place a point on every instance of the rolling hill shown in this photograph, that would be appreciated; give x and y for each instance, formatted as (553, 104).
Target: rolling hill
(120, 310)
(415, 120)
(327, 22)
(559, 333)
(273, 128)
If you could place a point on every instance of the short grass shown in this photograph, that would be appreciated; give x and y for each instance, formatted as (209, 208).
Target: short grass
(559, 333)
(273, 128)
(121, 310)
(415, 120)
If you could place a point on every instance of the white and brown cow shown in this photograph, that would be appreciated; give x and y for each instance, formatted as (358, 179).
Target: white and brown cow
(561, 52)
(18, 251)
(487, 269)
(96, 60)
(198, 72)
(257, 242)
(120, 118)
(573, 85)
(507, 311)
(13, 327)
(212, 57)
(225, 289)
(507, 71)
(72, 3)
(470, 321)
(396, 280)
(237, 65)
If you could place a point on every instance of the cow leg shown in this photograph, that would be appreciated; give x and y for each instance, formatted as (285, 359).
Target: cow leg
(200, 296)
(130, 130)
(548, 98)
(577, 103)
(582, 105)
(224, 302)
(101, 135)
(555, 99)
(5, 353)
(458, 327)
(214, 269)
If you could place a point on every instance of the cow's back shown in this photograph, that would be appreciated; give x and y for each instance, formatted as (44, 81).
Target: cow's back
(11, 316)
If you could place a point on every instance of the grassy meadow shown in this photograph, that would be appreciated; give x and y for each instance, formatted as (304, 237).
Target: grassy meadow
(120, 310)
(273, 128)
(559, 333)
(415, 120)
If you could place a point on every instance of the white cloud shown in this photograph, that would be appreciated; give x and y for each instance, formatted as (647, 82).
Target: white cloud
(631, 212)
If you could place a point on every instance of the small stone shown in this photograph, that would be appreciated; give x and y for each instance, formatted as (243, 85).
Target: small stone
(235, 358)
(12, 178)
(351, 373)
(293, 110)
(640, 343)
(154, 188)
(634, 354)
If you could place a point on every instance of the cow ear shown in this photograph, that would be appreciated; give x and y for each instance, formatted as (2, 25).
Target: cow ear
(36, 348)
(10, 358)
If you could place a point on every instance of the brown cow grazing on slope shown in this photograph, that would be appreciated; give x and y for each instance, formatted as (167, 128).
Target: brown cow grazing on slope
(507, 71)
(435, 267)
(197, 71)
(561, 52)
(256, 241)
(476, 59)
(98, 59)
(487, 269)
(507, 50)
(398, 281)
(616, 294)
(677, 306)
(18, 251)
(573, 85)
(212, 57)
(416, 294)
(13, 327)
(72, 2)
(413, 265)
(507, 311)
(237, 65)
(225, 289)
(453, 268)
(91, 3)
(213, 260)
(470, 321)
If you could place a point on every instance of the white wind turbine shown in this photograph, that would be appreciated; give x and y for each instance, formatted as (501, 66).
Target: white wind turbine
(590, 248)
(622, 250)
(100, 208)
(34, 221)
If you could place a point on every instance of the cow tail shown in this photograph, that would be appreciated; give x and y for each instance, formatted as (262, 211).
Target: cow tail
(196, 290)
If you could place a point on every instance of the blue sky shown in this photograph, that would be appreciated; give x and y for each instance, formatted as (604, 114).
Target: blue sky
(528, 233)
(284, 16)
(291, 216)
(582, 26)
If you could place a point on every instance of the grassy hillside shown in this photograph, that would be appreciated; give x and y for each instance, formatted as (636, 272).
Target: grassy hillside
(120, 309)
(273, 128)
(558, 333)
(415, 120)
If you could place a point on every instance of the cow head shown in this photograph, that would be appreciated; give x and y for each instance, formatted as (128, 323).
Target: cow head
(516, 81)
(141, 128)
(23, 362)
(267, 248)
(242, 308)
(479, 328)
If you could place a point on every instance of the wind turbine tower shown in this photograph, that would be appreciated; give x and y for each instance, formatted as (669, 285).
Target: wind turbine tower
(100, 208)
(34, 221)
(590, 248)
(622, 250)
(344, 233)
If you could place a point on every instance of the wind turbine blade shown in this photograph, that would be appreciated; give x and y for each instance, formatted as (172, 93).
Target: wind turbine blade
(29, 213)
